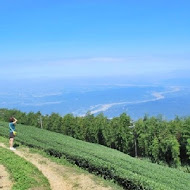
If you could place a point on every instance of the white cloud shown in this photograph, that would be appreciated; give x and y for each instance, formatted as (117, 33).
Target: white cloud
(41, 95)
(41, 103)
(95, 66)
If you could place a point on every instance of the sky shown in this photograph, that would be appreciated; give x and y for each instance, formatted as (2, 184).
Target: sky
(93, 38)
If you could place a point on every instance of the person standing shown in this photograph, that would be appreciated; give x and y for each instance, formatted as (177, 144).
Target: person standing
(12, 123)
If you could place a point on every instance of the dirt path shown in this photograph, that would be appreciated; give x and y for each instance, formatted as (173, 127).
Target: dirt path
(5, 182)
(60, 177)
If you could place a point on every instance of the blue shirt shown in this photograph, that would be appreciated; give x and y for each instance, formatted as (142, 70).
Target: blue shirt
(11, 127)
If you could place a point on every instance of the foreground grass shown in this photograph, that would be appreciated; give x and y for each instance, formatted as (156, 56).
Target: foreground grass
(129, 172)
(23, 174)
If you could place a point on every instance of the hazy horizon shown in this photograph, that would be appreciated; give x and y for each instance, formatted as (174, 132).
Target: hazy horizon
(101, 55)
(48, 39)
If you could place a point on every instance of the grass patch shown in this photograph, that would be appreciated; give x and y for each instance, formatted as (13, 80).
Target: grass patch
(23, 174)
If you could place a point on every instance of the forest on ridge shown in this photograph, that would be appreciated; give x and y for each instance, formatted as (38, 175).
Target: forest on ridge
(160, 140)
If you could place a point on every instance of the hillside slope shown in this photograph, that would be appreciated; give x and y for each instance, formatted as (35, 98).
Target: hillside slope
(60, 176)
(129, 172)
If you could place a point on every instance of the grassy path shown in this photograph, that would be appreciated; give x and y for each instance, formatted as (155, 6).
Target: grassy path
(18, 174)
(59, 176)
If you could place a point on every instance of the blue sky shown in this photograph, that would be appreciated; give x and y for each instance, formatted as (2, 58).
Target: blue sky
(41, 38)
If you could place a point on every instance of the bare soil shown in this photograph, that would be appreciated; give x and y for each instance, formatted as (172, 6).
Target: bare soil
(5, 182)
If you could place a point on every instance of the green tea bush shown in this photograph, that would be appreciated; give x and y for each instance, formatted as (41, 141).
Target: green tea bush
(129, 172)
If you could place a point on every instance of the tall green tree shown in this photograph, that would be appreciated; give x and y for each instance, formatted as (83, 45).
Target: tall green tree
(54, 122)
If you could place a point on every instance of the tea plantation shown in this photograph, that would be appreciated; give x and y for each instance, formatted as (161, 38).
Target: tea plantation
(130, 173)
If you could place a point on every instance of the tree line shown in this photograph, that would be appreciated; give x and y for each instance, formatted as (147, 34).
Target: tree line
(155, 138)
